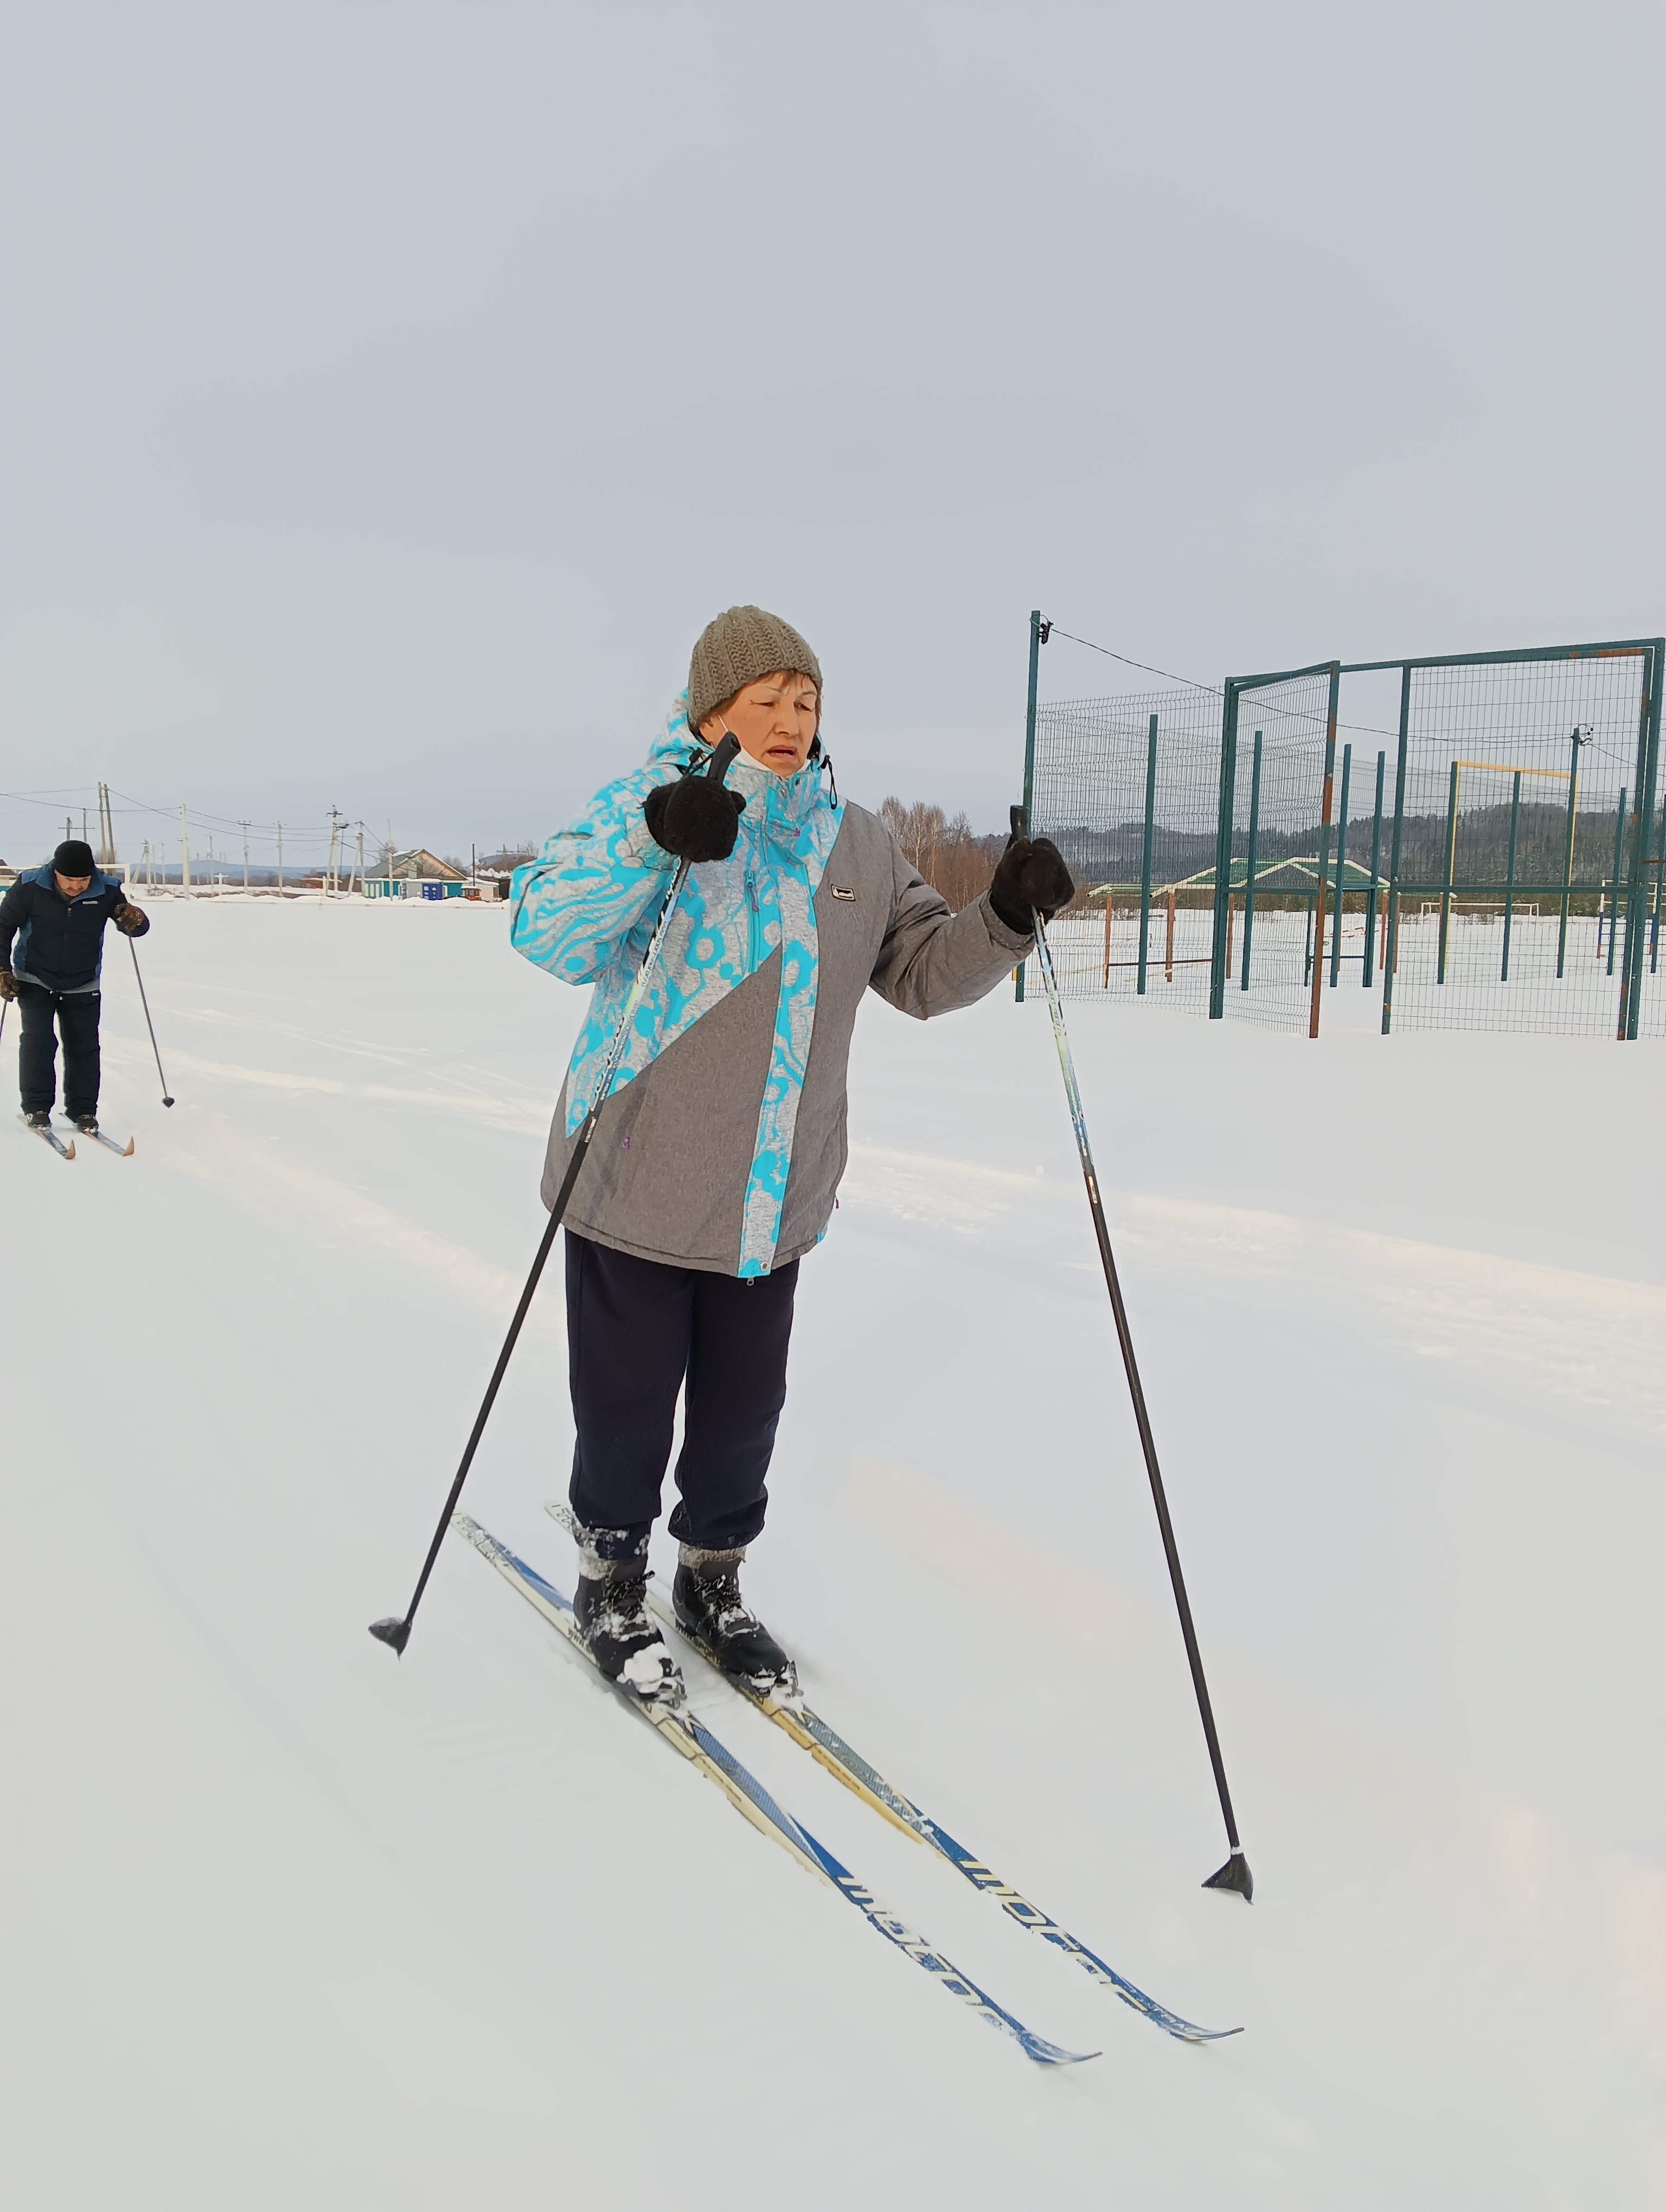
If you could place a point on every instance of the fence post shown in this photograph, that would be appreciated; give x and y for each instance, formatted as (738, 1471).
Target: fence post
(1220, 958)
(1614, 893)
(1324, 852)
(1037, 638)
(1145, 863)
(1451, 865)
(1167, 950)
(1648, 752)
(1375, 872)
(1250, 858)
(1567, 857)
(1341, 866)
(1104, 984)
(1510, 873)
(1391, 949)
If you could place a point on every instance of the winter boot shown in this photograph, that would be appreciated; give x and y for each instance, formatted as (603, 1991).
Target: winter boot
(86, 1123)
(611, 1609)
(38, 1118)
(707, 1598)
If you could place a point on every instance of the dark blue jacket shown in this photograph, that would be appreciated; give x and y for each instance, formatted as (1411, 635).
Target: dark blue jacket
(59, 941)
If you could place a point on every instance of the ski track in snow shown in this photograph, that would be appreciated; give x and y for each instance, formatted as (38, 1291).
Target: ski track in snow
(1587, 1337)
(288, 1922)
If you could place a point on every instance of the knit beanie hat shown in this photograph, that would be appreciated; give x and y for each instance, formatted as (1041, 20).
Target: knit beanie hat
(741, 645)
(72, 858)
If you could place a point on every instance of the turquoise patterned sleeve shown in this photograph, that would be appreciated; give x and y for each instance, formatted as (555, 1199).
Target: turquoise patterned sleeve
(596, 885)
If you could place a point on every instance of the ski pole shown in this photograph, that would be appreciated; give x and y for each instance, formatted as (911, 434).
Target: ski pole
(1235, 1874)
(149, 1024)
(397, 1632)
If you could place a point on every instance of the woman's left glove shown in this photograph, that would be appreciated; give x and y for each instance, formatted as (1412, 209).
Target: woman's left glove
(132, 921)
(1031, 874)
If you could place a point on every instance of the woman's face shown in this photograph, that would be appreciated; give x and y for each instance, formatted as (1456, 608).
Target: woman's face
(774, 720)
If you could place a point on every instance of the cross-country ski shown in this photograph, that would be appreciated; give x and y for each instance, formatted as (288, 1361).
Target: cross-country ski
(671, 1718)
(39, 1126)
(789, 1712)
(122, 1151)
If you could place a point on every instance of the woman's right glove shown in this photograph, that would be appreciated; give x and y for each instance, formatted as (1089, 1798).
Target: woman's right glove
(694, 817)
(1031, 874)
(7, 984)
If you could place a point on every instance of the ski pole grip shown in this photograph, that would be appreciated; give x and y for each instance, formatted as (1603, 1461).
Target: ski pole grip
(1020, 820)
(725, 750)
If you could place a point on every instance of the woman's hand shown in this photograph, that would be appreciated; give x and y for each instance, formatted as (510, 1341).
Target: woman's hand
(694, 817)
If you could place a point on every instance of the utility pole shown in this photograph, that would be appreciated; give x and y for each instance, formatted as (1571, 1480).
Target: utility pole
(185, 852)
(280, 859)
(360, 860)
(246, 856)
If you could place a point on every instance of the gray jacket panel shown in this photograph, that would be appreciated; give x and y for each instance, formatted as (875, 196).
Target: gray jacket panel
(668, 1167)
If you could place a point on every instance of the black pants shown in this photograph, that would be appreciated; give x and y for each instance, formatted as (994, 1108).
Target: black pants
(77, 1013)
(637, 1332)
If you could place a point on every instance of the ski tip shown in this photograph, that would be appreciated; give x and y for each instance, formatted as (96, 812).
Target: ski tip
(69, 1149)
(127, 1153)
(396, 1634)
(1049, 2054)
(1235, 1876)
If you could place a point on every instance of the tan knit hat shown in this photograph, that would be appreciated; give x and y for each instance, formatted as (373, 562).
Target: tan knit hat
(741, 645)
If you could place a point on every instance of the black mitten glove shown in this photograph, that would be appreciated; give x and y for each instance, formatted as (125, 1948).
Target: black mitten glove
(1031, 872)
(694, 817)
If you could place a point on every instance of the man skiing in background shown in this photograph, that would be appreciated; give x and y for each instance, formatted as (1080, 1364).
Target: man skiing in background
(716, 1160)
(56, 916)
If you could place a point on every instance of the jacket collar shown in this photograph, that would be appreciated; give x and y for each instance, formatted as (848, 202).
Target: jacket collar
(46, 878)
(783, 803)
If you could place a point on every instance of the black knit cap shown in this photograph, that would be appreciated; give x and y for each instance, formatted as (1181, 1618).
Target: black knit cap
(73, 858)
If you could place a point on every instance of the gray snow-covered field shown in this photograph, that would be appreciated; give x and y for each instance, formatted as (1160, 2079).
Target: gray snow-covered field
(287, 1923)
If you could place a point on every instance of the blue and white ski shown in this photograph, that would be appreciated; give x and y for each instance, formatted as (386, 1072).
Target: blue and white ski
(829, 1749)
(45, 1129)
(695, 1741)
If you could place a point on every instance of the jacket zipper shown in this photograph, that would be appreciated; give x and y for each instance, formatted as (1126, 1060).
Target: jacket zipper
(755, 938)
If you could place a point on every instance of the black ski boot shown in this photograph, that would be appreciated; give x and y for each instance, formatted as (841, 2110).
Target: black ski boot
(621, 1635)
(708, 1602)
(37, 1117)
(86, 1123)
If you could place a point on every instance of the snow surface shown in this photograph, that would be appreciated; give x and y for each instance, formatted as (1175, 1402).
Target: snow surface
(288, 1923)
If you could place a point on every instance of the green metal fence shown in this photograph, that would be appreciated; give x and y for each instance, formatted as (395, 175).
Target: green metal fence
(1498, 863)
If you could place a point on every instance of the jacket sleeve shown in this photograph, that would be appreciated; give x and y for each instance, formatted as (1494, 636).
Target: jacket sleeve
(595, 886)
(931, 960)
(114, 901)
(13, 915)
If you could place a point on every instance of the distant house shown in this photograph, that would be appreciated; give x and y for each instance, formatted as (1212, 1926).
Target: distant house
(416, 874)
(422, 874)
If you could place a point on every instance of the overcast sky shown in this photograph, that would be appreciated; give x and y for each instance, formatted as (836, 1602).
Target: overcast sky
(391, 392)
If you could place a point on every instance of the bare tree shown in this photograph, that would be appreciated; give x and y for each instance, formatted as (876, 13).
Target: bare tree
(948, 854)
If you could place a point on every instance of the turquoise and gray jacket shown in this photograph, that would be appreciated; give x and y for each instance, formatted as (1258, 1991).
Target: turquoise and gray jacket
(723, 1143)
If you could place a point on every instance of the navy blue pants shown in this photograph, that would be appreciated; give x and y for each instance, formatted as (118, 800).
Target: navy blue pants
(77, 1013)
(637, 1333)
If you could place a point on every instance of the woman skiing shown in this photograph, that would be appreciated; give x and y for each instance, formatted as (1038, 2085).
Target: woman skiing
(716, 1160)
